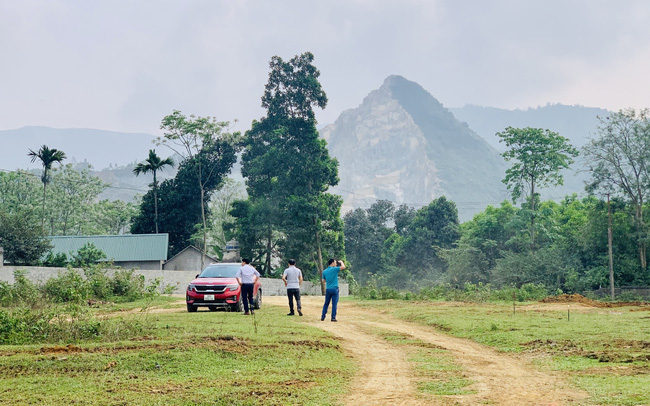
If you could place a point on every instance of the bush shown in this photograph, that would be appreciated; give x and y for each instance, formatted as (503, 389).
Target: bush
(99, 283)
(67, 287)
(24, 291)
(128, 285)
(64, 324)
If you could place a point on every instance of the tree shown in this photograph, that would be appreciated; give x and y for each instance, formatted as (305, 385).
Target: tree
(365, 234)
(539, 155)
(19, 191)
(434, 229)
(73, 194)
(288, 168)
(209, 149)
(220, 206)
(618, 160)
(24, 242)
(47, 157)
(153, 164)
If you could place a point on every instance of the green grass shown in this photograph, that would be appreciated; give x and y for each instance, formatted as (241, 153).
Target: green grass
(202, 358)
(605, 351)
(436, 371)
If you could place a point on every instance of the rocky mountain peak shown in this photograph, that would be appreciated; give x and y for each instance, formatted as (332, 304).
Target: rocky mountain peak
(402, 145)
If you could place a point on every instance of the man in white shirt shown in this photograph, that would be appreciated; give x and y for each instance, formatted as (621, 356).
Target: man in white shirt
(292, 278)
(247, 277)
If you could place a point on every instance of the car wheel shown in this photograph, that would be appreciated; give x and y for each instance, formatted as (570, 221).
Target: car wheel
(212, 308)
(191, 308)
(238, 307)
(258, 299)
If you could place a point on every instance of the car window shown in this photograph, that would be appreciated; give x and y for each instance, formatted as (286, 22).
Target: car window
(220, 271)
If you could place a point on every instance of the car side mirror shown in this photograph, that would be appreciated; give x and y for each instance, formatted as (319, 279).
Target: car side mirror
(197, 275)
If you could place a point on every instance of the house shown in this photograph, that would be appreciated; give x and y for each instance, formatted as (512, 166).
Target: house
(189, 259)
(131, 251)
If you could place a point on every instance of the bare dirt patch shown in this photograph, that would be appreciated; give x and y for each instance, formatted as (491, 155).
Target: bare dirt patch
(577, 298)
(386, 376)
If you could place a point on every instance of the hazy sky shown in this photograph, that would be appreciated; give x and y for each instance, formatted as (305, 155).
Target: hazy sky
(124, 64)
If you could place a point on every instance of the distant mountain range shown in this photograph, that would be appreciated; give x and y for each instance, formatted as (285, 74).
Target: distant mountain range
(577, 123)
(400, 144)
(99, 148)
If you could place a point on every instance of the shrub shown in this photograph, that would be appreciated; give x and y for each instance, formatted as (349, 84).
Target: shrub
(87, 255)
(99, 283)
(65, 324)
(67, 287)
(128, 285)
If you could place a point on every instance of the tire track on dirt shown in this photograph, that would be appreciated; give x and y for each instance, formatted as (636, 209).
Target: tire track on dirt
(386, 377)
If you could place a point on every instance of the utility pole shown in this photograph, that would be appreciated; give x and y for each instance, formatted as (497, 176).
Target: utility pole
(609, 247)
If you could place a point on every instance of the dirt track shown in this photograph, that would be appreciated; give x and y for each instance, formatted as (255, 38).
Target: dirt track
(386, 378)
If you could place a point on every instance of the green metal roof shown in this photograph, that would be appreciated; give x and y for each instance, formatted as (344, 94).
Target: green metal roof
(125, 247)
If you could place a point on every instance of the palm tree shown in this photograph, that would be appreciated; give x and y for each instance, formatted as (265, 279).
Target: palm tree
(47, 157)
(153, 164)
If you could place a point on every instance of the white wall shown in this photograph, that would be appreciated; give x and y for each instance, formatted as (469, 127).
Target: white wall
(178, 279)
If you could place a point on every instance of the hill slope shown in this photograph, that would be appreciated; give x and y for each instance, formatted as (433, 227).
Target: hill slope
(402, 145)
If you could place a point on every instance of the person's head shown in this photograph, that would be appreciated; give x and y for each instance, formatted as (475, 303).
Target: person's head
(292, 262)
(246, 260)
(331, 261)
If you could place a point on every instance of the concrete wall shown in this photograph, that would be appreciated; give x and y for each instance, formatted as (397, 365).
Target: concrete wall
(188, 259)
(178, 279)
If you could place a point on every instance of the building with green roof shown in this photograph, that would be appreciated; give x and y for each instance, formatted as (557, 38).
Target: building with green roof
(131, 251)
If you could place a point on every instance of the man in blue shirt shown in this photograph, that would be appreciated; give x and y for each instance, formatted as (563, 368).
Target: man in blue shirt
(331, 279)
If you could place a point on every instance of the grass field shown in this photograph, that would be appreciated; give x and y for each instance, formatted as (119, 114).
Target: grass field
(223, 358)
(605, 351)
(215, 358)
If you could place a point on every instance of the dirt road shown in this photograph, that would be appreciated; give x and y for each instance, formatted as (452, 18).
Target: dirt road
(386, 376)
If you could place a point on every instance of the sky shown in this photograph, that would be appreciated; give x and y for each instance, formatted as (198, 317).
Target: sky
(122, 65)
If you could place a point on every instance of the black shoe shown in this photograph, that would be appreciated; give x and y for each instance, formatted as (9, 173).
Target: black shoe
(299, 312)
(322, 318)
(252, 312)
(333, 319)
(291, 314)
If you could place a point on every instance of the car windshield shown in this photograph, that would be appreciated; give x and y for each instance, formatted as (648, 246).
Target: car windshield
(220, 271)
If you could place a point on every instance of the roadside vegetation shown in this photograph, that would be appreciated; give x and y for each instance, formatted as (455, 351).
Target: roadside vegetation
(176, 358)
(61, 309)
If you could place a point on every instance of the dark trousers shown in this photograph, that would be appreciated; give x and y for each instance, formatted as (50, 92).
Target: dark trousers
(291, 293)
(247, 295)
(333, 296)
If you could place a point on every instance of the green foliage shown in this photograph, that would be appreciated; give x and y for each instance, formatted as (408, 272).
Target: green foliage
(375, 289)
(127, 284)
(153, 164)
(70, 287)
(538, 157)
(67, 287)
(182, 202)
(23, 241)
(58, 260)
(288, 170)
(87, 255)
(63, 324)
(619, 164)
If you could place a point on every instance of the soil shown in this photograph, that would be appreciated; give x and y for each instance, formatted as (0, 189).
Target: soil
(386, 376)
(577, 298)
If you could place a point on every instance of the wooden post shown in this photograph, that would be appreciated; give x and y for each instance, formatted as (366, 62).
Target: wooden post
(609, 247)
